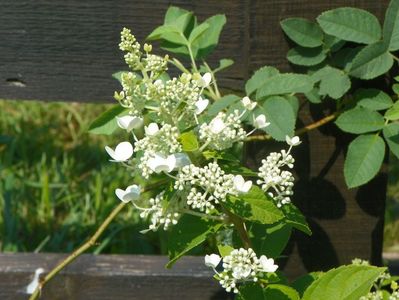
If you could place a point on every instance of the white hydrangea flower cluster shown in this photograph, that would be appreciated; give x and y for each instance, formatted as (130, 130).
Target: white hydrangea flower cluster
(278, 183)
(158, 215)
(273, 177)
(241, 265)
(207, 186)
(223, 131)
(157, 141)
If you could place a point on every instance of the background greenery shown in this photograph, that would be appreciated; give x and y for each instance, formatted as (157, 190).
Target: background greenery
(57, 185)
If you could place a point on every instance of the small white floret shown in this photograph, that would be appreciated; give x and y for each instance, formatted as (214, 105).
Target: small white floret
(294, 141)
(267, 264)
(247, 103)
(129, 122)
(212, 260)
(122, 152)
(159, 163)
(32, 286)
(217, 126)
(151, 129)
(260, 122)
(205, 80)
(131, 193)
(201, 105)
(241, 185)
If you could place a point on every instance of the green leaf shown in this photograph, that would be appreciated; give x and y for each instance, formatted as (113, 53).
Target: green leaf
(223, 64)
(259, 78)
(360, 120)
(344, 283)
(351, 24)
(210, 38)
(173, 13)
(280, 292)
(106, 122)
(285, 84)
(175, 48)
(197, 32)
(395, 88)
(188, 233)
(333, 43)
(306, 56)
(372, 99)
(303, 32)
(364, 159)
(281, 117)
(333, 82)
(189, 141)
(295, 218)
(221, 104)
(250, 291)
(313, 96)
(371, 62)
(391, 135)
(238, 169)
(225, 250)
(118, 76)
(254, 206)
(303, 282)
(343, 58)
(390, 33)
(222, 155)
(392, 113)
(269, 240)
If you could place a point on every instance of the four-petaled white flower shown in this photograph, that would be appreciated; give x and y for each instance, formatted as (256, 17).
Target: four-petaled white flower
(267, 264)
(212, 260)
(241, 185)
(217, 126)
(247, 103)
(122, 152)
(260, 122)
(201, 105)
(294, 141)
(159, 163)
(132, 192)
(129, 122)
(151, 129)
(205, 80)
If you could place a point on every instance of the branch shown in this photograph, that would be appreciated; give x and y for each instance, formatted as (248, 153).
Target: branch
(91, 242)
(325, 120)
(239, 225)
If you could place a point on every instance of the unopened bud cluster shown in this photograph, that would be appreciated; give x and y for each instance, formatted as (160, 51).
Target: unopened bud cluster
(158, 215)
(207, 186)
(276, 181)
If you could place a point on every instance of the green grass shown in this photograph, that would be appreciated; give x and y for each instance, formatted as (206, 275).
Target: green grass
(57, 185)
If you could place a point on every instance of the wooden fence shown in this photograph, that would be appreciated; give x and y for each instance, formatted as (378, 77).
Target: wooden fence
(67, 50)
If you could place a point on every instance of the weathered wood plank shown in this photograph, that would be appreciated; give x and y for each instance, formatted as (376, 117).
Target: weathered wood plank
(67, 50)
(110, 277)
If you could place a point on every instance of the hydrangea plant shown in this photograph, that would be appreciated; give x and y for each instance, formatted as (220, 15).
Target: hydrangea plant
(185, 141)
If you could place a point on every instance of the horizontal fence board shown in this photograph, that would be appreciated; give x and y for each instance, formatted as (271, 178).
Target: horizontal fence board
(67, 50)
(106, 277)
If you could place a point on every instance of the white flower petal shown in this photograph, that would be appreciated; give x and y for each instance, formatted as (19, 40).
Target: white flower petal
(123, 151)
(129, 122)
(201, 105)
(32, 286)
(212, 260)
(241, 185)
(132, 192)
(247, 103)
(205, 80)
(267, 264)
(182, 160)
(217, 125)
(260, 122)
(294, 141)
(151, 129)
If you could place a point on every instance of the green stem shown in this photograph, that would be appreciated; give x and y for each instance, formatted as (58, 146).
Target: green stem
(91, 242)
(217, 92)
(239, 225)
